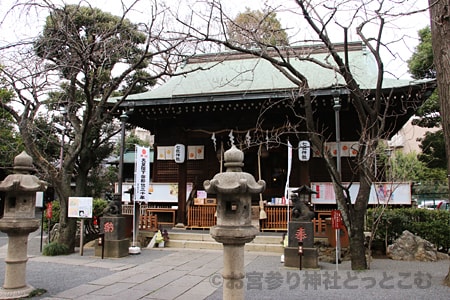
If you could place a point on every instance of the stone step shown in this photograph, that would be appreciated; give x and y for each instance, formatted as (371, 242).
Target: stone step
(264, 239)
(253, 247)
(261, 243)
(190, 236)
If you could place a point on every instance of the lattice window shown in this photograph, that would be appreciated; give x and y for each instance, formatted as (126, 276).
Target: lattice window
(166, 171)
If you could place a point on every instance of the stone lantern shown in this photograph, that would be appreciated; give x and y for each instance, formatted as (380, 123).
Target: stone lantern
(234, 228)
(18, 221)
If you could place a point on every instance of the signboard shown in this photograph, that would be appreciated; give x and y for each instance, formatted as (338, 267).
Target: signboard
(394, 193)
(125, 191)
(336, 219)
(158, 191)
(348, 149)
(80, 207)
(166, 192)
(39, 199)
(196, 152)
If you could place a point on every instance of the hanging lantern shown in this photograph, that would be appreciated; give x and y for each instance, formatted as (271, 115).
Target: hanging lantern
(180, 153)
(304, 150)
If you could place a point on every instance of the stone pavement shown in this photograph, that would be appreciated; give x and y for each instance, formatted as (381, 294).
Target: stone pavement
(195, 274)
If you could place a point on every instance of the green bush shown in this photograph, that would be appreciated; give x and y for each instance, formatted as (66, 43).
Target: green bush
(431, 225)
(99, 205)
(54, 249)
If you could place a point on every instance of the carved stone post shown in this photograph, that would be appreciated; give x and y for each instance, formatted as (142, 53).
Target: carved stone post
(301, 233)
(18, 221)
(233, 189)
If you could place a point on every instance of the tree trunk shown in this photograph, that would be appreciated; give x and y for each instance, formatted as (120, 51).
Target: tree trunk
(67, 226)
(357, 248)
(357, 213)
(440, 33)
(81, 182)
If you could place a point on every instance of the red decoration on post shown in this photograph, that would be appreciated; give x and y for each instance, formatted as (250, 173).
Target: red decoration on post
(108, 227)
(49, 212)
(301, 234)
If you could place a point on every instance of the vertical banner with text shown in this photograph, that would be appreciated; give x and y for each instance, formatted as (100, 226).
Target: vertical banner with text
(142, 174)
(289, 167)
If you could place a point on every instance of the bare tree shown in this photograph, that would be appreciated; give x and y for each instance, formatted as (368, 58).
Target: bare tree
(440, 33)
(372, 107)
(78, 62)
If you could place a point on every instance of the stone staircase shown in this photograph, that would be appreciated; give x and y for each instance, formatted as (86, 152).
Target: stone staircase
(201, 240)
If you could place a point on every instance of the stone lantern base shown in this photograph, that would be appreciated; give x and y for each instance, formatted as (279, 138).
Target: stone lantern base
(16, 293)
(15, 285)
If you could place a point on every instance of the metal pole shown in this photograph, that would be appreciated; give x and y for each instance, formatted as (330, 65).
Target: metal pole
(81, 236)
(42, 227)
(336, 233)
(337, 108)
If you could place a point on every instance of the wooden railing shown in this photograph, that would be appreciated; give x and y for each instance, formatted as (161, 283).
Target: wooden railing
(276, 218)
(127, 209)
(201, 216)
(166, 216)
(320, 228)
(148, 222)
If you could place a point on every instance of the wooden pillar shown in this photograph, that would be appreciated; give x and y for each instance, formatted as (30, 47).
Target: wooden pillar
(182, 182)
(304, 173)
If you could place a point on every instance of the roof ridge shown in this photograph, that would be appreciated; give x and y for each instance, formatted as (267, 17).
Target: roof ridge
(293, 50)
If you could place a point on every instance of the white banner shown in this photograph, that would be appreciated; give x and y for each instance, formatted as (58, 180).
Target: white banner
(289, 166)
(142, 174)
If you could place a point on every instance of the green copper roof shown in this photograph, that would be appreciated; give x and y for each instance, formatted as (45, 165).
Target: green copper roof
(209, 75)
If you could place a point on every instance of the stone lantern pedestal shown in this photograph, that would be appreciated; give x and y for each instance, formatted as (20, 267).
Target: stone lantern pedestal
(18, 221)
(300, 252)
(234, 228)
(116, 242)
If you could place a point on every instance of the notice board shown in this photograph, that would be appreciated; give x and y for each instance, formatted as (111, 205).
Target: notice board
(80, 207)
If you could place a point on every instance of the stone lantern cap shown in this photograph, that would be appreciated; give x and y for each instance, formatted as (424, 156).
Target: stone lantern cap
(22, 180)
(234, 181)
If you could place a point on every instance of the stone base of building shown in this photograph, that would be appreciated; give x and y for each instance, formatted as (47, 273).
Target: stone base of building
(310, 258)
(113, 249)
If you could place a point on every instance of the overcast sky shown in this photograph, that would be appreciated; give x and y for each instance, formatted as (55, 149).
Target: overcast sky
(21, 23)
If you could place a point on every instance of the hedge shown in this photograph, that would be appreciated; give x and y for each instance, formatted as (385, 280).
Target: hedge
(431, 225)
